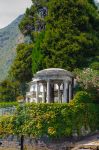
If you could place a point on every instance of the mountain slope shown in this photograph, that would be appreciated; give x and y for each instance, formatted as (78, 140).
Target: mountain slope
(10, 36)
(98, 5)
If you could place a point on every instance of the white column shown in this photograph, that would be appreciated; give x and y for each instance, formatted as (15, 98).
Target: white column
(59, 93)
(72, 88)
(37, 92)
(43, 94)
(70, 91)
(26, 99)
(65, 94)
(48, 91)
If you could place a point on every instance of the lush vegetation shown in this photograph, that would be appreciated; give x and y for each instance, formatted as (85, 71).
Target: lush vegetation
(9, 90)
(88, 81)
(52, 120)
(21, 69)
(63, 34)
(8, 104)
(71, 28)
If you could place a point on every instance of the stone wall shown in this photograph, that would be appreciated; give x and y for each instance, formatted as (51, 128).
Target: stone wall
(13, 143)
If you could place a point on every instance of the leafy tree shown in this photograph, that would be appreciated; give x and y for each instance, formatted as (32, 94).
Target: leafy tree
(21, 69)
(33, 24)
(8, 91)
(95, 63)
(88, 78)
(71, 31)
(82, 97)
(71, 37)
(33, 20)
(89, 81)
(37, 55)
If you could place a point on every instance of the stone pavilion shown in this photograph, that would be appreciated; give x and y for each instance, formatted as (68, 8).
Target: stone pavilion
(51, 85)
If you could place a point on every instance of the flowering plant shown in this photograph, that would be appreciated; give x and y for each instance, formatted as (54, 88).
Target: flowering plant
(88, 78)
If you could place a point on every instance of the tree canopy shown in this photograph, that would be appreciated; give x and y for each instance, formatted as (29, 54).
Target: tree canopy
(22, 67)
(9, 90)
(71, 31)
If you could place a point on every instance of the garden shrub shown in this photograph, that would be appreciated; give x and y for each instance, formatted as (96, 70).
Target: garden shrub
(82, 97)
(51, 120)
(8, 104)
(6, 125)
(55, 120)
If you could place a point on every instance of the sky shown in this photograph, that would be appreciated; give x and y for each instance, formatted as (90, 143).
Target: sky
(11, 9)
(96, 0)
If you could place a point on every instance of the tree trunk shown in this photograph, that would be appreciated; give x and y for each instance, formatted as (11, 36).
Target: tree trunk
(22, 142)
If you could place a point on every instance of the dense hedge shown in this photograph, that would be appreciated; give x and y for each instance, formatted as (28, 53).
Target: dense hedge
(8, 104)
(52, 120)
(56, 120)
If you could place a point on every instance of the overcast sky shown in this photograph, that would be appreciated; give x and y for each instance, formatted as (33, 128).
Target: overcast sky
(11, 9)
(96, 0)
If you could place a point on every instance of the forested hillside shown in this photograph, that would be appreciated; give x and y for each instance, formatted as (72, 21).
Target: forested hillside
(10, 36)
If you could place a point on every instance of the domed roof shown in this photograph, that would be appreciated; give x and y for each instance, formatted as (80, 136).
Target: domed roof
(53, 72)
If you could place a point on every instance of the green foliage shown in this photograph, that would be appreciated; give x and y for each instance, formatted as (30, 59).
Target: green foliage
(71, 33)
(70, 37)
(8, 104)
(89, 81)
(32, 20)
(95, 65)
(8, 91)
(21, 69)
(32, 24)
(52, 120)
(37, 56)
(6, 125)
(55, 120)
(82, 97)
